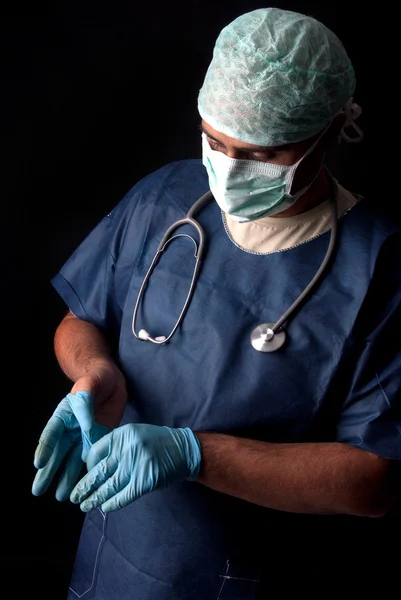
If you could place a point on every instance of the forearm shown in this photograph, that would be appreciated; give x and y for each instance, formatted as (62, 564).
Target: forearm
(86, 358)
(79, 346)
(324, 478)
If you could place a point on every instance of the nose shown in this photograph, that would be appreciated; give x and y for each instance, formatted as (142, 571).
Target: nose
(234, 153)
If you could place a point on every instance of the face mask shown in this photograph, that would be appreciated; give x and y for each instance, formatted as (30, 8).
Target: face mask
(247, 189)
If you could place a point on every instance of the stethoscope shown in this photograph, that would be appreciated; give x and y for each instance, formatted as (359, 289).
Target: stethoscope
(266, 337)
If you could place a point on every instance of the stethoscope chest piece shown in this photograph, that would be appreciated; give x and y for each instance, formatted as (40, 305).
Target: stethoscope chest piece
(265, 339)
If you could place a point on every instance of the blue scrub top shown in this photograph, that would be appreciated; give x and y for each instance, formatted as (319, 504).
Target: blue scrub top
(337, 378)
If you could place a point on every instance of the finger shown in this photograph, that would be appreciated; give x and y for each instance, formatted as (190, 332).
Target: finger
(89, 438)
(81, 404)
(45, 475)
(99, 451)
(120, 500)
(48, 441)
(70, 474)
(92, 480)
(110, 488)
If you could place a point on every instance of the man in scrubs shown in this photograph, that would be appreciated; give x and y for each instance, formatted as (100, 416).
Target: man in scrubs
(195, 449)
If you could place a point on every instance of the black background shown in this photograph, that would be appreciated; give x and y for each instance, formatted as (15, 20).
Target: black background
(96, 95)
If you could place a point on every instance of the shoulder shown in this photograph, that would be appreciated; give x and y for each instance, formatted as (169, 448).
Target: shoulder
(364, 226)
(174, 173)
(154, 202)
(178, 184)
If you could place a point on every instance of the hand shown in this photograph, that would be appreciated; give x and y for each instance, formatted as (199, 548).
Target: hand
(101, 390)
(70, 432)
(133, 460)
(107, 384)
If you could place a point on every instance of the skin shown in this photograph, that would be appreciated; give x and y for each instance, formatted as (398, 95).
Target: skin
(85, 358)
(286, 155)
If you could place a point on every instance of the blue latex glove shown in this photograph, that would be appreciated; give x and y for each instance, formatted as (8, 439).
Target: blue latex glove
(133, 460)
(70, 431)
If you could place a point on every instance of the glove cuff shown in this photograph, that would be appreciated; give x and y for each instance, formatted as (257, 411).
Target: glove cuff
(194, 454)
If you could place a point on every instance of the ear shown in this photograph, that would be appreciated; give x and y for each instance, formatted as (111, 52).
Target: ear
(334, 130)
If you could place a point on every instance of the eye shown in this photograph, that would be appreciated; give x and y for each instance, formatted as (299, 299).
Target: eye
(258, 156)
(263, 157)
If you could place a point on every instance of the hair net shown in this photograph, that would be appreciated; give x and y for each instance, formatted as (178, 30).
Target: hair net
(276, 77)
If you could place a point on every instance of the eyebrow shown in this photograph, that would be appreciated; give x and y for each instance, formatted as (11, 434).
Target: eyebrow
(251, 150)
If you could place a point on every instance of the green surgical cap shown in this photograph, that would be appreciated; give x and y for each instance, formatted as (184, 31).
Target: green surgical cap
(276, 77)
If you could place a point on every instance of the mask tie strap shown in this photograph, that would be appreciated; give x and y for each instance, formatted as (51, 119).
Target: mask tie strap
(352, 112)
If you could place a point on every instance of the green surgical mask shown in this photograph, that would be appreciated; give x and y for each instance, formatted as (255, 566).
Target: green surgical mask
(248, 189)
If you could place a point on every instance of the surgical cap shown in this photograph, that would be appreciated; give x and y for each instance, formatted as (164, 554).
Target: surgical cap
(276, 77)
